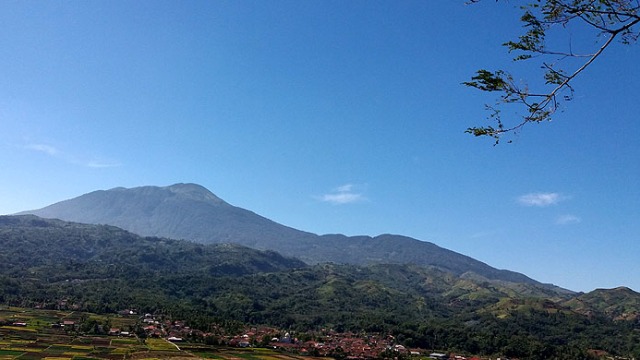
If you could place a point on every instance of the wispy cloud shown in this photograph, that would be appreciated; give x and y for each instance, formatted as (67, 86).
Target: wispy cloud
(344, 194)
(567, 219)
(342, 198)
(101, 164)
(344, 188)
(47, 149)
(69, 158)
(540, 199)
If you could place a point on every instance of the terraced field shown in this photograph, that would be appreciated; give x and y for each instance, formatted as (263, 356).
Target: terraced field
(35, 338)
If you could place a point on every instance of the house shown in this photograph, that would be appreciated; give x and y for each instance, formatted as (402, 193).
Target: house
(438, 356)
(69, 324)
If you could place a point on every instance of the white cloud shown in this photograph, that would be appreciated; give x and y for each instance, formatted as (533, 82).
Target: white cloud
(344, 188)
(47, 149)
(568, 219)
(344, 194)
(101, 164)
(342, 198)
(540, 199)
(69, 158)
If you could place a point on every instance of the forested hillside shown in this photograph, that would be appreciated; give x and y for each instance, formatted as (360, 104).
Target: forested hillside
(50, 263)
(32, 246)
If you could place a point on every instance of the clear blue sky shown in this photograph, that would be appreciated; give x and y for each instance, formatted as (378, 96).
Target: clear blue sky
(326, 116)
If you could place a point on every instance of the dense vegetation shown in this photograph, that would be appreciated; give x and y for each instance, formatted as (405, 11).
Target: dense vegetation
(52, 264)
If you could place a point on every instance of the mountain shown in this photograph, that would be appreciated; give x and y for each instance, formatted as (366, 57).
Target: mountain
(30, 243)
(190, 211)
(180, 211)
(52, 264)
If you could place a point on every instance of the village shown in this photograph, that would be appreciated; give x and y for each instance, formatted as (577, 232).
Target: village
(323, 343)
(36, 334)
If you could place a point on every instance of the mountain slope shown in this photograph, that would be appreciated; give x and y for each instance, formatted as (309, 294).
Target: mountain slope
(180, 211)
(189, 211)
(59, 265)
(620, 303)
(30, 243)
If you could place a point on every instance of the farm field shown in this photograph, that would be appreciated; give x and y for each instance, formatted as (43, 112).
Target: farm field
(33, 334)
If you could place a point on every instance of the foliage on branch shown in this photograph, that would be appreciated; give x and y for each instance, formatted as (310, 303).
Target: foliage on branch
(606, 19)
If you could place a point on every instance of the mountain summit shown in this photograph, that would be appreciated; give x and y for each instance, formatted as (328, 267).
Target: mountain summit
(179, 211)
(191, 212)
(194, 192)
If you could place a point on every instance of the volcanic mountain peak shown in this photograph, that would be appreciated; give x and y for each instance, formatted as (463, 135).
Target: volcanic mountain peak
(194, 192)
(183, 191)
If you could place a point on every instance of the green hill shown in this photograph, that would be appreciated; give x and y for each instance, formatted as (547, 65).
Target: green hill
(55, 264)
(31, 245)
(620, 304)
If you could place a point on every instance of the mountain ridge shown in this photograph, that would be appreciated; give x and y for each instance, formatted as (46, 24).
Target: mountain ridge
(192, 212)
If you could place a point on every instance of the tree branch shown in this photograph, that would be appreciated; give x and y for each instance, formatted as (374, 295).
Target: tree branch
(608, 17)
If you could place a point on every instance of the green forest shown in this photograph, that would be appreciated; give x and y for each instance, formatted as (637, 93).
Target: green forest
(52, 264)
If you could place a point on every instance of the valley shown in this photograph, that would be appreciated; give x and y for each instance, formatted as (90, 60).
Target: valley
(421, 296)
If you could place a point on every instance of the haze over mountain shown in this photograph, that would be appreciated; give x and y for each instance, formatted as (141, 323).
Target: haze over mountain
(191, 212)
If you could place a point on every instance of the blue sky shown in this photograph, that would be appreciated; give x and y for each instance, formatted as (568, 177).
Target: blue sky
(326, 116)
